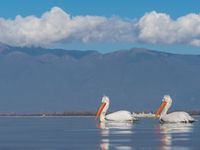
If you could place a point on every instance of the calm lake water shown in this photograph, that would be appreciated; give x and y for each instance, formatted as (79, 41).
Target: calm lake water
(84, 133)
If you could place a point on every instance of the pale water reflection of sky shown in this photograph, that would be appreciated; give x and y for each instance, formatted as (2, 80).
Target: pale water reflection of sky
(129, 136)
(78, 133)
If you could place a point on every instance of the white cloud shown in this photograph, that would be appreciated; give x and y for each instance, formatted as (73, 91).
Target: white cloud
(58, 26)
(159, 28)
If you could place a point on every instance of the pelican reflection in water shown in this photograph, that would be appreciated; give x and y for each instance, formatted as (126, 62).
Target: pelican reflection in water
(173, 132)
(113, 128)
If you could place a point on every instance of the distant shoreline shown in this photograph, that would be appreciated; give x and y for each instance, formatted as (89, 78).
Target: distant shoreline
(41, 116)
(137, 115)
(195, 115)
(67, 116)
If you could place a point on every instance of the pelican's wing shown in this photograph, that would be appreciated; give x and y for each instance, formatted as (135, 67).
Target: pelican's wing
(120, 116)
(178, 117)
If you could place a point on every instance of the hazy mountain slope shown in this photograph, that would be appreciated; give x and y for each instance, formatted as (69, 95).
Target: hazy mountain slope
(37, 79)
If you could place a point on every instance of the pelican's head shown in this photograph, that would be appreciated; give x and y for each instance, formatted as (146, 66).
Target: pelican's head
(167, 99)
(166, 102)
(104, 106)
(105, 99)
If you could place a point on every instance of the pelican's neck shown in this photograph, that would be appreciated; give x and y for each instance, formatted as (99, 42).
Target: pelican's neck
(103, 113)
(164, 111)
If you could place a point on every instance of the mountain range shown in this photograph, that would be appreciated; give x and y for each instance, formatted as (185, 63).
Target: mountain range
(55, 80)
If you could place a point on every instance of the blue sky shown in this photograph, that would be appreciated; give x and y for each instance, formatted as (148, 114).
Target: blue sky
(111, 25)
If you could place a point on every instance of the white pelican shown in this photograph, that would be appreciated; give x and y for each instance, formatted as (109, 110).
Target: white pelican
(119, 116)
(172, 117)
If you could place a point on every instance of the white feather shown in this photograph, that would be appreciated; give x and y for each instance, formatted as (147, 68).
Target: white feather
(120, 116)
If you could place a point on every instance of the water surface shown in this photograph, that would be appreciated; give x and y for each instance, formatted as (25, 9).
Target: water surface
(84, 133)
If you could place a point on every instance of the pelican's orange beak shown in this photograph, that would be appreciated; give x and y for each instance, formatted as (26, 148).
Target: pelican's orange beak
(100, 110)
(160, 109)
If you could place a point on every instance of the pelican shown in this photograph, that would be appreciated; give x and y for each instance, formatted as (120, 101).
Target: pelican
(119, 116)
(174, 117)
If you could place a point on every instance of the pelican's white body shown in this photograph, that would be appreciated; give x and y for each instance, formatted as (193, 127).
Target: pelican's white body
(119, 116)
(175, 116)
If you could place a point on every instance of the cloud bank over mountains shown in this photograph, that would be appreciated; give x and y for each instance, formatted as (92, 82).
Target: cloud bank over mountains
(57, 26)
